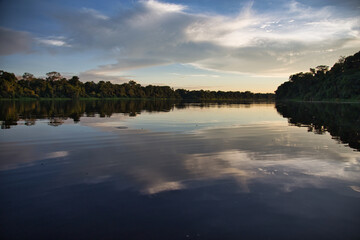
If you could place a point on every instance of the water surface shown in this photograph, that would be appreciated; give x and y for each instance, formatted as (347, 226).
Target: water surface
(172, 170)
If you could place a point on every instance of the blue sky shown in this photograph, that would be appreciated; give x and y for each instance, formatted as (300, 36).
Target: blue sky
(194, 44)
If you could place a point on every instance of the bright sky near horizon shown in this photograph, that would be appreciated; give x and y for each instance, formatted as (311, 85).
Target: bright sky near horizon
(193, 44)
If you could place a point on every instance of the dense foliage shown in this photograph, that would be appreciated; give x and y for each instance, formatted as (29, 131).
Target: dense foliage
(342, 81)
(56, 86)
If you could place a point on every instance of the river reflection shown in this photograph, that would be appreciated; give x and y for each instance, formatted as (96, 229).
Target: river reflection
(342, 121)
(188, 171)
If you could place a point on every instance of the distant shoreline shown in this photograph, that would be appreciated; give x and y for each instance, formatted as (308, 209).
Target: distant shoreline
(320, 101)
(184, 100)
(56, 86)
(133, 98)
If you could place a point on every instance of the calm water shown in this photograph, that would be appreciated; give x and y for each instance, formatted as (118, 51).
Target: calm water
(170, 170)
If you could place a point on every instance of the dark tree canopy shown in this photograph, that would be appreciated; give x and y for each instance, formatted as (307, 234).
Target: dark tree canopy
(53, 76)
(342, 81)
(28, 76)
(56, 86)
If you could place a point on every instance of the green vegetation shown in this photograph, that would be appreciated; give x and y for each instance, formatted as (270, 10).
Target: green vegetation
(341, 82)
(56, 86)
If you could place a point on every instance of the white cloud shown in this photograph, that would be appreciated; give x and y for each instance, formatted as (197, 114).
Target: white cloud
(159, 33)
(163, 7)
(249, 29)
(53, 41)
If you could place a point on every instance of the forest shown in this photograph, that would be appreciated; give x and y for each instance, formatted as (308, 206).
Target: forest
(341, 82)
(57, 86)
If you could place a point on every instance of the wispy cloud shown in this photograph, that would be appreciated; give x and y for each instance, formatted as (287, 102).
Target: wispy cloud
(266, 44)
(163, 7)
(94, 13)
(54, 41)
(196, 75)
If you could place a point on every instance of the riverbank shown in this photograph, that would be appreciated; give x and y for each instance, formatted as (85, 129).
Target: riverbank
(321, 101)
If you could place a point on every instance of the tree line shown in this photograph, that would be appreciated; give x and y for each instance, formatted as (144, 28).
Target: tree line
(57, 86)
(342, 81)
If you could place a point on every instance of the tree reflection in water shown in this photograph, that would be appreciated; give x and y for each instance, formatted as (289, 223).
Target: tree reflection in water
(341, 120)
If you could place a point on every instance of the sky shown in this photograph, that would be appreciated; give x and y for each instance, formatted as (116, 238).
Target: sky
(230, 45)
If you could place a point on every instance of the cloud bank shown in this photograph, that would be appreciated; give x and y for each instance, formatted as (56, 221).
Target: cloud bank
(150, 33)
